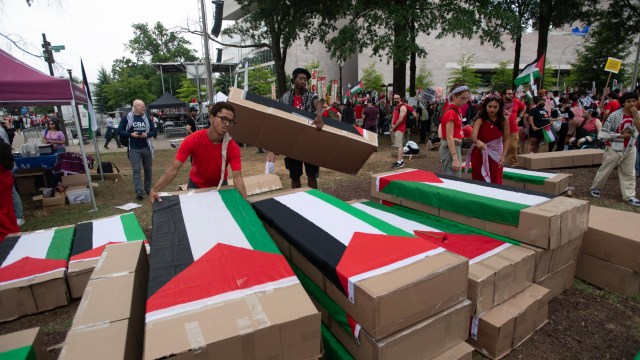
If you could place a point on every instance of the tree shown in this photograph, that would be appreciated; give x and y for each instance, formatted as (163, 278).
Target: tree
(372, 79)
(188, 91)
(124, 91)
(424, 79)
(465, 74)
(100, 99)
(158, 44)
(260, 80)
(223, 82)
(502, 78)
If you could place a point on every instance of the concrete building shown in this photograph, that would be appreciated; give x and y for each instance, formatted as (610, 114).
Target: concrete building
(443, 54)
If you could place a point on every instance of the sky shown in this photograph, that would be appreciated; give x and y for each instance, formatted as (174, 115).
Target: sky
(95, 31)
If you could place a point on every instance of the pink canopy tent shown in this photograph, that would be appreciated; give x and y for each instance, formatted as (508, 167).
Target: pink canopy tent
(22, 85)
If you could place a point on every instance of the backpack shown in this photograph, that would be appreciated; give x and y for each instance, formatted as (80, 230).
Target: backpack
(411, 148)
(411, 120)
(108, 166)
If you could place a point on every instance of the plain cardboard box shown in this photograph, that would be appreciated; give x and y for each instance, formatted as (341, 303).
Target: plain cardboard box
(608, 276)
(57, 200)
(425, 339)
(559, 280)
(385, 303)
(258, 184)
(614, 236)
(25, 180)
(560, 159)
(550, 260)
(30, 338)
(499, 330)
(78, 276)
(462, 351)
(282, 129)
(554, 185)
(107, 341)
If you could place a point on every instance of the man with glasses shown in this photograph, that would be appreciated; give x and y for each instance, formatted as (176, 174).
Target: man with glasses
(514, 110)
(139, 129)
(208, 149)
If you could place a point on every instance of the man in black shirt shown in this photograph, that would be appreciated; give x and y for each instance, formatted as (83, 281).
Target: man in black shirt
(191, 121)
(564, 115)
(538, 118)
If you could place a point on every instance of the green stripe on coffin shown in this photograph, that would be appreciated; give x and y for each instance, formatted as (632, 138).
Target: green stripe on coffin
(525, 176)
(473, 199)
(23, 353)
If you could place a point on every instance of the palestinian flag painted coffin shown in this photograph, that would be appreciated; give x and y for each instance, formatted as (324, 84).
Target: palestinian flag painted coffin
(533, 218)
(497, 269)
(425, 339)
(544, 182)
(374, 270)
(23, 345)
(89, 241)
(32, 271)
(218, 283)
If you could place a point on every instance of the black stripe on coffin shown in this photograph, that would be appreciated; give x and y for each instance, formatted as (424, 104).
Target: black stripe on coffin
(290, 109)
(498, 186)
(6, 247)
(318, 246)
(170, 243)
(83, 238)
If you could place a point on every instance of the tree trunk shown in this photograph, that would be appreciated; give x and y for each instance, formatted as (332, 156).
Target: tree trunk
(544, 24)
(279, 59)
(516, 59)
(400, 33)
(412, 60)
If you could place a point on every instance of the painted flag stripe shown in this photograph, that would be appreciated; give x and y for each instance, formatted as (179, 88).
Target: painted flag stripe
(98, 233)
(6, 247)
(41, 243)
(132, 229)
(60, 247)
(107, 230)
(171, 249)
(333, 348)
(520, 175)
(83, 238)
(22, 353)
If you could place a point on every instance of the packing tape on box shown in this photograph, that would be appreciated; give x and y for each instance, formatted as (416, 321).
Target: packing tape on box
(474, 327)
(197, 344)
(258, 318)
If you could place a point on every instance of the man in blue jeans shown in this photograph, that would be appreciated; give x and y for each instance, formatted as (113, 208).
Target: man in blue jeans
(139, 129)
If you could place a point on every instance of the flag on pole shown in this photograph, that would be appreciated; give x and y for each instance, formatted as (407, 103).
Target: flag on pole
(549, 137)
(93, 120)
(531, 71)
(358, 88)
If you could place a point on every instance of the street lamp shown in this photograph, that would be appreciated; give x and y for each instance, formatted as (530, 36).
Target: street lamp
(340, 63)
(560, 62)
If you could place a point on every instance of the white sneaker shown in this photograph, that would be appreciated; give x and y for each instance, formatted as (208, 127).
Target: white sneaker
(20, 222)
(634, 201)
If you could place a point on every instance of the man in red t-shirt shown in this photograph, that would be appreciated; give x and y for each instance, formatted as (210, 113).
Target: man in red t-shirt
(207, 149)
(612, 105)
(398, 127)
(514, 110)
(359, 109)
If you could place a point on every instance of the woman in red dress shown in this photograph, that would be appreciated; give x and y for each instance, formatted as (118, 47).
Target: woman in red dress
(8, 224)
(490, 142)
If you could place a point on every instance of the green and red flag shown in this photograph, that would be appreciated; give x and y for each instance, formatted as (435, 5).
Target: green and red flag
(91, 237)
(531, 71)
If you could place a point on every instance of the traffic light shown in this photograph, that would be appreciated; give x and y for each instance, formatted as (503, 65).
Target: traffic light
(217, 18)
(47, 53)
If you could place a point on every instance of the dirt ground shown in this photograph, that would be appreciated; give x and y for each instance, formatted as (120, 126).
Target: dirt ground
(584, 322)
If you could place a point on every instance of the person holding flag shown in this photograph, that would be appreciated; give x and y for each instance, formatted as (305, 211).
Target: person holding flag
(539, 125)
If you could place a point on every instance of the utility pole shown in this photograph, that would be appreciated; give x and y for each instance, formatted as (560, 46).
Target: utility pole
(207, 59)
(47, 52)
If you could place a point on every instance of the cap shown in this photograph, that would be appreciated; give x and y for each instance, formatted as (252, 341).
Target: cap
(193, 109)
(301, 71)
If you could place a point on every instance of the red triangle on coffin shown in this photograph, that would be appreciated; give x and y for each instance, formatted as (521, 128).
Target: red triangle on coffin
(413, 176)
(359, 130)
(29, 266)
(367, 252)
(222, 269)
(93, 253)
(467, 245)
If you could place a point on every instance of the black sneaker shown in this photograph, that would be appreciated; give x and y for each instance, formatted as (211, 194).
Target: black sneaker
(139, 197)
(595, 193)
(398, 164)
(633, 201)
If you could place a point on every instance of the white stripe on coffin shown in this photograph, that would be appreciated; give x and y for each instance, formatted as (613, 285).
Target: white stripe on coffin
(34, 245)
(207, 219)
(180, 309)
(105, 230)
(491, 192)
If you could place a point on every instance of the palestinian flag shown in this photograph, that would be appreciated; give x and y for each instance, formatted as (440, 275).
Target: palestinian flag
(467, 197)
(31, 254)
(524, 176)
(548, 134)
(91, 237)
(93, 119)
(209, 247)
(359, 87)
(530, 72)
(475, 245)
(344, 243)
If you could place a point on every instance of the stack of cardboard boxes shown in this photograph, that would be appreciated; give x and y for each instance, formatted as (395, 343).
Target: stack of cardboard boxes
(76, 192)
(109, 323)
(610, 257)
(561, 159)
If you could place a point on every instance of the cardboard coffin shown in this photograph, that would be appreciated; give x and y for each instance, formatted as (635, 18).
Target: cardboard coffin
(560, 280)
(532, 218)
(109, 323)
(258, 184)
(614, 236)
(607, 275)
(288, 131)
(23, 345)
(32, 271)
(220, 287)
(544, 182)
(561, 159)
(384, 277)
(503, 328)
(462, 351)
(549, 260)
(90, 240)
(497, 270)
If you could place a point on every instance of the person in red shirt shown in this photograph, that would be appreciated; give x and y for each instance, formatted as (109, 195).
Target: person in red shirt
(208, 149)
(491, 136)
(612, 105)
(398, 127)
(8, 221)
(451, 127)
(514, 110)
(359, 113)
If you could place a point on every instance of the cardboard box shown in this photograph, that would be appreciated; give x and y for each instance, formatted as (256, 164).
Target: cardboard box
(550, 260)
(277, 127)
(614, 236)
(547, 225)
(462, 351)
(109, 321)
(25, 344)
(25, 180)
(33, 295)
(561, 159)
(608, 276)
(57, 200)
(426, 339)
(559, 280)
(258, 184)
(555, 184)
(501, 329)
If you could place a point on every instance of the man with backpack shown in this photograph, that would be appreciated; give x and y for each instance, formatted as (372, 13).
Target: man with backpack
(137, 130)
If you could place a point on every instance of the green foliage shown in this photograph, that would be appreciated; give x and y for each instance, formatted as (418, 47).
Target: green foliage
(424, 79)
(549, 79)
(260, 80)
(501, 79)
(100, 100)
(465, 73)
(158, 44)
(124, 91)
(223, 83)
(372, 79)
(188, 91)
